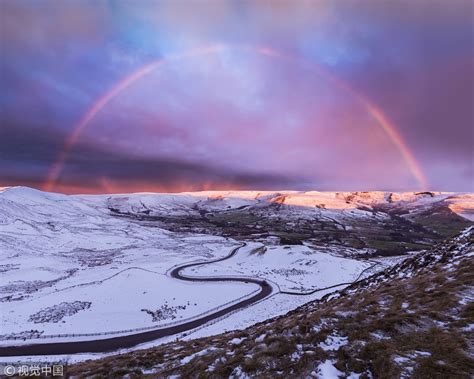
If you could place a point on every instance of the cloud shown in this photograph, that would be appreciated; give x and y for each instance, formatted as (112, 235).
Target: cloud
(26, 156)
(414, 60)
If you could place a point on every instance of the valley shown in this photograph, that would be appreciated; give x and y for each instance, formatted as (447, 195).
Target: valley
(153, 268)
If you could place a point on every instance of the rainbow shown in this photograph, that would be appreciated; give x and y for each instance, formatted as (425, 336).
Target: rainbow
(375, 112)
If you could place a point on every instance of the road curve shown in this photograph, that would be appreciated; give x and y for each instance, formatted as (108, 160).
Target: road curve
(115, 343)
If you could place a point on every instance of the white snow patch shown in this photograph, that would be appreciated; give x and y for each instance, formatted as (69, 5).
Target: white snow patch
(236, 341)
(238, 373)
(326, 370)
(333, 342)
(189, 358)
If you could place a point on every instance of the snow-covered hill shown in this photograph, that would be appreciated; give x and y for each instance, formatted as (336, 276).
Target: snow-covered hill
(66, 260)
(24, 198)
(413, 320)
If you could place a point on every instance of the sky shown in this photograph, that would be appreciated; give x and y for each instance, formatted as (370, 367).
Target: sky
(131, 96)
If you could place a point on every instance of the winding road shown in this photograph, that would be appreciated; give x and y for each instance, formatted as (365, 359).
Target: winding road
(131, 340)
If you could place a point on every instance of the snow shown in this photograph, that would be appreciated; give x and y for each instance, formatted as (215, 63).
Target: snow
(189, 358)
(56, 248)
(292, 268)
(273, 306)
(402, 360)
(117, 303)
(295, 356)
(423, 353)
(326, 370)
(59, 253)
(466, 298)
(333, 342)
(238, 373)
(378, 335)
(236, 341)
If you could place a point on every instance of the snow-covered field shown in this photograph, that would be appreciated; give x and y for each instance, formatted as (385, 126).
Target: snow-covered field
(292, 268)
(134, 298)
(68, 267)
(75, 265)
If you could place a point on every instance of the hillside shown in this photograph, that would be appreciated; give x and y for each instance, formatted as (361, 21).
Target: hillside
(151, 268)
(374, 223)
(414, 319)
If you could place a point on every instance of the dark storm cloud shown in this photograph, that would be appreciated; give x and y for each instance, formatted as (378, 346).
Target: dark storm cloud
(420, 70)
(26, 156)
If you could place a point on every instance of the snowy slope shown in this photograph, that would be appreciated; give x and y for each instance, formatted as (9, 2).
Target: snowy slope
(462, 204)
(413, 320)
(68, 259)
